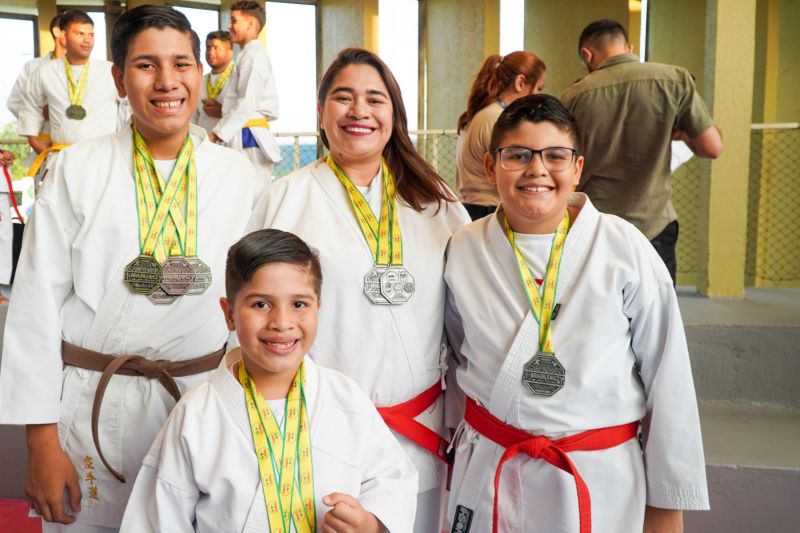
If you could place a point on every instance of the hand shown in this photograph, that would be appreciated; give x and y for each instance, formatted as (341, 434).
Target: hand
(213, 138)
(212, 108)
(49, 472)
(347, 516)
(662, 520)
(6, 157)
(37, 144)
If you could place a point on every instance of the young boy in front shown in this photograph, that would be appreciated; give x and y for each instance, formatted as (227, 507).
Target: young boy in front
(273, 442)
(252, 100)
(118, 282)
(558, 379)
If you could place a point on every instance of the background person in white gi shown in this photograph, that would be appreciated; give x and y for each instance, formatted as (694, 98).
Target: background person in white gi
(78, 92)
(600, 349)
(219, 55)
(74, 282)
(252, 100)
(350, 473)
(392, 350)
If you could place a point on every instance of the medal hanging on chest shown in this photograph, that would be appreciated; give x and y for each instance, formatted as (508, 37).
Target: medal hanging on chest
(77, 90)
(284, 459)
(388, 282)
(543, 374)
(168, 266)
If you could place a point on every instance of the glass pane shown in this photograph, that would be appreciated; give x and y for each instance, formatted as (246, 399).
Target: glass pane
(203, 22)
(292, 47)
(512, 23)
(99, 19)
(398, 45)
(16, 41)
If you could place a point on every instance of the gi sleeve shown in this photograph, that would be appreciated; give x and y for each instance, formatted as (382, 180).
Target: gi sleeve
(673, 447)
(32, 105)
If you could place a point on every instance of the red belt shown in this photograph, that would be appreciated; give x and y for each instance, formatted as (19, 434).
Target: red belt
(516, 441)
(400, 418)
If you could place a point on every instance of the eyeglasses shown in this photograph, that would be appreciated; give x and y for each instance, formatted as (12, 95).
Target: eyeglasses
(554, 158)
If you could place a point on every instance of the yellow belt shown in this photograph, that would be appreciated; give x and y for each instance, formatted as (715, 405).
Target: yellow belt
(41, 157)
(257, 123)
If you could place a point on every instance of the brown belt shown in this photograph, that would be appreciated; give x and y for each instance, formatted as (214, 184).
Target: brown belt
(133, 365)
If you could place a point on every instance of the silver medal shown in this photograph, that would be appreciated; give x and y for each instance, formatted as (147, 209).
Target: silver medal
(397, 285)
(372, 285)
(544, 374)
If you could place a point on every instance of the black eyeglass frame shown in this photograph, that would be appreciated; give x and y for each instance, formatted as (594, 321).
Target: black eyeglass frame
(533, 152)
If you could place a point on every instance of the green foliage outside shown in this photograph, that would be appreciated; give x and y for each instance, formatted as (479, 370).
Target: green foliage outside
(21, 151)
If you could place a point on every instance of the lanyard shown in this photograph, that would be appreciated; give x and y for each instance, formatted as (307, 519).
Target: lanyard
(542, 305)
(383, 237)
(76, 90)
(279, 458)
(163, 229)
(213, 90)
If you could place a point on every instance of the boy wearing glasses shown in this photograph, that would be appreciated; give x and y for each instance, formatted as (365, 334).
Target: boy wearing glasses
(567, 341)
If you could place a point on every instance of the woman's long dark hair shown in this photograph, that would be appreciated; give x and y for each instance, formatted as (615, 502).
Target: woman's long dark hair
(416, 181)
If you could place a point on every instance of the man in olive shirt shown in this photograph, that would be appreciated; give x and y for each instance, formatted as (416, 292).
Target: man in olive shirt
(628, 113)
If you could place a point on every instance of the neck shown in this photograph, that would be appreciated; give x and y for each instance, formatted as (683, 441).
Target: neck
(509, 95)
(58, 52)
(219, 70)
(272, 386)
(540, 226)
(75, 60)
(361, 173)
(165, 146)
(247, 40)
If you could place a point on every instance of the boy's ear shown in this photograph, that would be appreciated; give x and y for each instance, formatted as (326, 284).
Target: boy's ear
(118, 75)
(586, 58)
(578, 170)
(227, 310)
(488, 166)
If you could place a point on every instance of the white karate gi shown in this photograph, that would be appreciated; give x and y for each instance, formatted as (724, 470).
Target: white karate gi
(69, 285)
(202, 473)
(200, 118)
(393, 352)
(618, 334)
(252, 95)
(14, 102)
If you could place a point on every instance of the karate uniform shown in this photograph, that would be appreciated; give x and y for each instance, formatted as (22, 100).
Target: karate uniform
(21, 86)
(393, 352)
(202, 473)
(251, 94)
(69, 285)
(200, 118)
(618, 334)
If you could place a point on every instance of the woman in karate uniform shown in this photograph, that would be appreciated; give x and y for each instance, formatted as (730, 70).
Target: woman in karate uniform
(381, 218)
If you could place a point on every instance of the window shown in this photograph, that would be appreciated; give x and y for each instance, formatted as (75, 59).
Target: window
(203, 22)
(18, 42)
(398, 45)
(99, 18)
(512, 24)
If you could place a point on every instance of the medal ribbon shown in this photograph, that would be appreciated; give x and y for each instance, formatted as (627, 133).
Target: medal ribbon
(542, 305)
(76, 91)
(213, 90)
(161, 235)
(279, 458)
(383, 237)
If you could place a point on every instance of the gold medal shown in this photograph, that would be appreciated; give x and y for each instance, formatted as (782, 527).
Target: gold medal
(143, 275)
(76, 112)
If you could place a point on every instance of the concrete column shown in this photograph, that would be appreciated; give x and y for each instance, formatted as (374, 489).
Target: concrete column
(730, 54)
(47, 10)
(552, 30)
(344, 24)
(459, 35)
(686, 18)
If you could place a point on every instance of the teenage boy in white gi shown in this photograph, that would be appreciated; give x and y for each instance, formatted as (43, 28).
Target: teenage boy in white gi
(217, 83)
(253, 99)
(273, 442)
(120, 274)
(559, 379)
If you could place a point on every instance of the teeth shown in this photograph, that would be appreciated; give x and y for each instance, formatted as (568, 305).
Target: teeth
(173, 104)
(536, 189)
(281, 344)
(357, 129)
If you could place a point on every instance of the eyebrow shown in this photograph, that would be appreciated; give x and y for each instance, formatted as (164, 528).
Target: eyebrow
(350, 90)
(154, 58)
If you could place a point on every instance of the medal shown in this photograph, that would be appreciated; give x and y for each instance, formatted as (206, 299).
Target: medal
(160, 297)
(372, 285)
(143, 275)
(543, 374)
(397, 285)
(202, 276)
(178, 276)
(76, 112)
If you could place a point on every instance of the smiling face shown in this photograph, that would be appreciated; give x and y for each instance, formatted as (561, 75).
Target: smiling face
(161, 79)
(79, 41)
(218, 53)
(534, 199)
(356, 116)
(275, 318)
(243, 27)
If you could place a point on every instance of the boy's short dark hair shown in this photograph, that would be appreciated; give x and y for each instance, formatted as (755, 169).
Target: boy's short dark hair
(138, 19)
(253, 9)
(267, 246)
(598, 33)
(221, 35)
(534, 108)
(73, 16)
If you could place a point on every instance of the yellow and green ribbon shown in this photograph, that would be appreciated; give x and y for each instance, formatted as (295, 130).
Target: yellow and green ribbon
(76, 90)
(213, 89)
(284, 461)
(542, 305)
